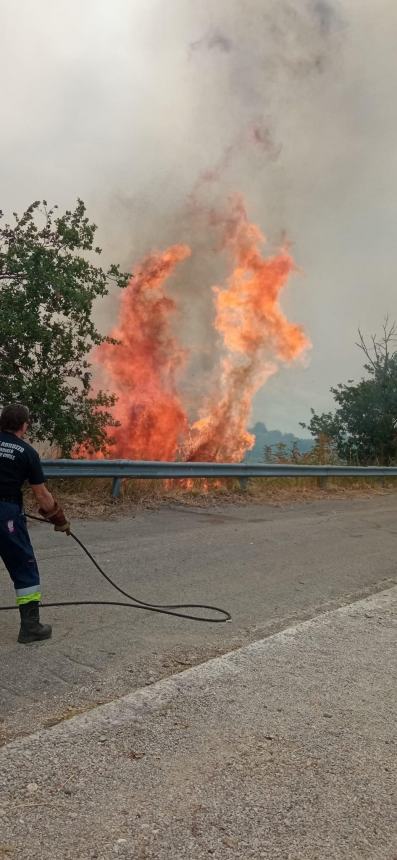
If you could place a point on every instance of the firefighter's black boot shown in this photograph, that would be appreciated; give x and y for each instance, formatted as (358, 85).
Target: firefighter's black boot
(31, 629)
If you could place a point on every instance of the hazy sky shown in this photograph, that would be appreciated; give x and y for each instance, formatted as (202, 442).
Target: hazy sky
(125, 102)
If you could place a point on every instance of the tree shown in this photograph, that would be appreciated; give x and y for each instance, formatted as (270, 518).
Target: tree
(363, 428)
(48, 283)
(268, 454)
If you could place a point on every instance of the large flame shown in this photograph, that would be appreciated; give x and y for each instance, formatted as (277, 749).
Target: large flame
(144, 369)
(141, 368)
(256, 335)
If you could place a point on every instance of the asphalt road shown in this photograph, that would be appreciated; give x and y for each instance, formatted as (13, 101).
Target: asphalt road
(269, 566)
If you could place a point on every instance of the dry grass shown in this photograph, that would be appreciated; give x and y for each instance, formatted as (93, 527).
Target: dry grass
(91, 497)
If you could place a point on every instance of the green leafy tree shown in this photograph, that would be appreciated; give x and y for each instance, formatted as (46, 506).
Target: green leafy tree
(363, 428)
(48, 283)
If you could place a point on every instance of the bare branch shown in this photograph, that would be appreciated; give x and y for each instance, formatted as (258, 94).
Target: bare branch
(382, 349)
(363, 346)
(6, 276)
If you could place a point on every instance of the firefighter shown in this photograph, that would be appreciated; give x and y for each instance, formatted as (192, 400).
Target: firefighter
(19, 462)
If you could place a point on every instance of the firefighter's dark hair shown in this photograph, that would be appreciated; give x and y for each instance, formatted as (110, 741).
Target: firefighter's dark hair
(13, 417)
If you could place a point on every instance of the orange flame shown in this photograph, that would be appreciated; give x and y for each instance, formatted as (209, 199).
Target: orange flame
(255, 333)
(255, 336)
(141, 369)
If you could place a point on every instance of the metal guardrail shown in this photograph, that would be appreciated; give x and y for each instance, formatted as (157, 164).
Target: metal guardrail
(119, 469)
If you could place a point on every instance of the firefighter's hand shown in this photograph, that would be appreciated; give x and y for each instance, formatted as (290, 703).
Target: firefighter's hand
(64, 527)
(57, 518)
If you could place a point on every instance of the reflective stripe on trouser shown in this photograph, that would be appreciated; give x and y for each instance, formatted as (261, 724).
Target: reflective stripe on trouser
(17, 553)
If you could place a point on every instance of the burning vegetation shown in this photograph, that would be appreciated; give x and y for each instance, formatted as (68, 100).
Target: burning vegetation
(145, 369)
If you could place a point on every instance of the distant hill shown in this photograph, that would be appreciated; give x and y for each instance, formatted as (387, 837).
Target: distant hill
(266, 437)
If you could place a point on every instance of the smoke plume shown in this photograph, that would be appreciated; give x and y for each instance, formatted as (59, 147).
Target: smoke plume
(155, 113)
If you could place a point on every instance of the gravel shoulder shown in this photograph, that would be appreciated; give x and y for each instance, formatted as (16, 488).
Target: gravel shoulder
(284, 748)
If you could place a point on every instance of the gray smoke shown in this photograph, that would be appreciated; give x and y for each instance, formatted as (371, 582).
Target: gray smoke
(213, 40)
(136, 106)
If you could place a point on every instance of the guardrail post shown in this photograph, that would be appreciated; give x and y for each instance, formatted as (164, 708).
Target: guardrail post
(116, 488)
(323, 482)
(243, 483)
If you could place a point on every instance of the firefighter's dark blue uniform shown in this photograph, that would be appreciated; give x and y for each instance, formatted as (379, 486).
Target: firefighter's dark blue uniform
(19, 462)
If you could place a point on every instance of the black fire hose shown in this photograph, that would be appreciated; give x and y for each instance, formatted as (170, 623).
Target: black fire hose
(164, 609)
